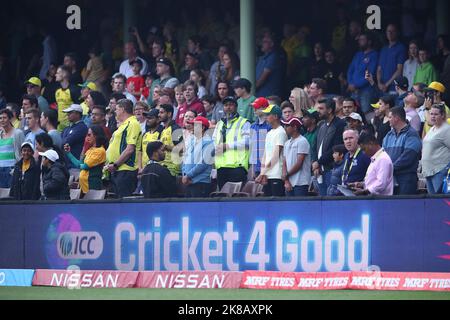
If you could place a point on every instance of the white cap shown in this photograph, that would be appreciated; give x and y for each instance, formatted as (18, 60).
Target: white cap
(51, 155)
(355, 116)
(27, 143)
(74, 107)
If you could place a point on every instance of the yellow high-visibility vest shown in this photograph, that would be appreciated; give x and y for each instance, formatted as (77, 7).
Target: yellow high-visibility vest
(233, 158)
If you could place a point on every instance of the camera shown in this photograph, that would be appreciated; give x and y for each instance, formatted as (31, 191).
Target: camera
(429, 95)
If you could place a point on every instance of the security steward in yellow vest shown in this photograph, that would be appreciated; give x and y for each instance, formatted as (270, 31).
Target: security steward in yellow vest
(231, 139)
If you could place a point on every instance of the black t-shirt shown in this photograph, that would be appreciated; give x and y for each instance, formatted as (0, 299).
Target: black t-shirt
(331, 76)
(381, 129)
(157, 182)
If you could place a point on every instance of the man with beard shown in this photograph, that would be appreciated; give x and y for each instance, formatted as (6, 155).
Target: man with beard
(329, 134)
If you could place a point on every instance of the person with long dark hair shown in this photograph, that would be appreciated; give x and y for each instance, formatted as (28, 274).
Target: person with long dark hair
(92, 163)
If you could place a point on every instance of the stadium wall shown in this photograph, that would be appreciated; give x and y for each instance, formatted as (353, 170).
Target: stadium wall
(389, 235)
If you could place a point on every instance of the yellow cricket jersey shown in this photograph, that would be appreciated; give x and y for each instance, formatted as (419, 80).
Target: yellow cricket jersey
(63, 100)
(92, 179)
(146, 139)
(85, 108)
(129, 133)
(168, 139)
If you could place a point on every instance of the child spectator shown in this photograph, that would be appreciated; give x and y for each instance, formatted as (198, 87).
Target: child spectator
(136, 83)
(339, 152)
(149, 78)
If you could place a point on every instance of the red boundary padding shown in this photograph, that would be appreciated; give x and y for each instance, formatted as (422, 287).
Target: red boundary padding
(384, 281)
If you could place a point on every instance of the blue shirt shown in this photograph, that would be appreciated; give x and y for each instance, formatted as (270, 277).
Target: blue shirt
(272, 86)
(31, 136)
(361, 62)
(74, 136)
(258, 132)
(390, 58)
(355, 168)
(404, 149)
(197, 161)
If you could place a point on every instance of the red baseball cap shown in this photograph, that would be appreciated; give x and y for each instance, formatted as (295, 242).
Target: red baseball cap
(293, 122)
(202, 120)
(260, 103)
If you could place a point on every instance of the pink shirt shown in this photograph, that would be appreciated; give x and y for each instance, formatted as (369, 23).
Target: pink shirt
(380, 175)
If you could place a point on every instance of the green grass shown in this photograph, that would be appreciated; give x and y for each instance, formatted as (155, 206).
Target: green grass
(43, 293)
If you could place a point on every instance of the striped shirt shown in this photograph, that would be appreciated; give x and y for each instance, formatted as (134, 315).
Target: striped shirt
(7, 155)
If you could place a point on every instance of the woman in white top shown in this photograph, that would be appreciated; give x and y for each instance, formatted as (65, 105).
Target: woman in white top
(436, 150)
(410, 65)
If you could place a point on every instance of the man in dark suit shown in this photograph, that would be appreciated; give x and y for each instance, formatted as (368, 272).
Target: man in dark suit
(329, 134)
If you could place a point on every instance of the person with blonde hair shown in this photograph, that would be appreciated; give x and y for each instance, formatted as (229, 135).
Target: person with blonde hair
(299, 98)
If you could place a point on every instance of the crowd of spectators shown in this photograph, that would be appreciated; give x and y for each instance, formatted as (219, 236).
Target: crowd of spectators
(360, 119)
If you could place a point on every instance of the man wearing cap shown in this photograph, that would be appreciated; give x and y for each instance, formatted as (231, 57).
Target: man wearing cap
(297, 160)
(231, 138)
(34, 87)
(354, 122)
(242, 89)
(198, 160)
(26, 178)
(435, 93)
(310, 121)
(272, 162)
(329, 134)
(65, 96)
(75, 134)
(55, 177)
(121, 155)
(86, 89)
(258, 133)
(165, 71)
(152, 133)
(401, 87)
(131, 55)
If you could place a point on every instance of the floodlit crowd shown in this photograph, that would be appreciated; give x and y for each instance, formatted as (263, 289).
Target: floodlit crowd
(377, 124)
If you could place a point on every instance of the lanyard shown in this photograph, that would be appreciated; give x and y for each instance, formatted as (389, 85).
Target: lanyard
(344, 174)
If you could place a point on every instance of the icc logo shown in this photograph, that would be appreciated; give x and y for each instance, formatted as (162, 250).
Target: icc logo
(80, 245)
(73, 22)
(374, 20)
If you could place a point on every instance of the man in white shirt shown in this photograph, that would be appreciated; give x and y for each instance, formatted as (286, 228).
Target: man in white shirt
(272, 162)
(131, 54)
